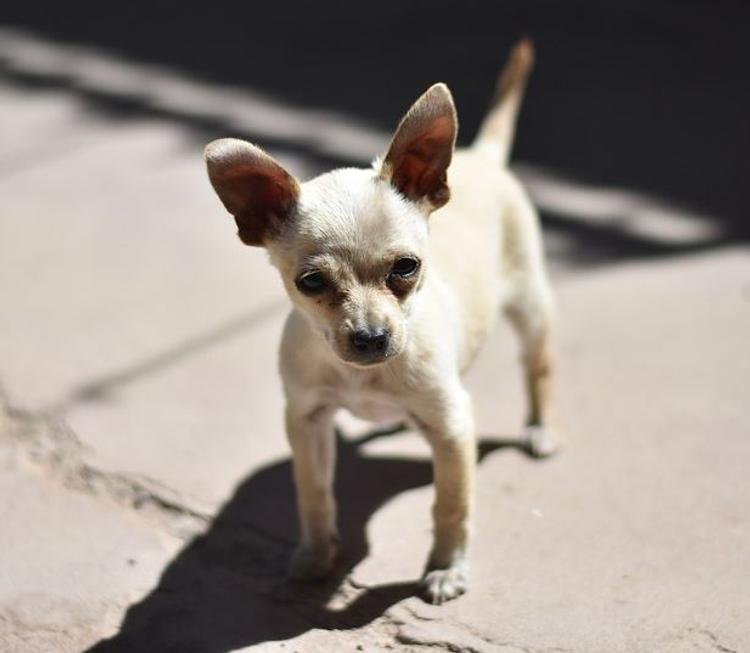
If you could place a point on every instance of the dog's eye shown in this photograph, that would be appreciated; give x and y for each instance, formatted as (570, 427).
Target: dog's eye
(312, 283)
(405, 267)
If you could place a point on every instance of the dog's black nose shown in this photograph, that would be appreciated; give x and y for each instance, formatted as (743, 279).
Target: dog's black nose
(371, 341)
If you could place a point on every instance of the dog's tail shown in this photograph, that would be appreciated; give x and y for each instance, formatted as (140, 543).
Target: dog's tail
(498, 129)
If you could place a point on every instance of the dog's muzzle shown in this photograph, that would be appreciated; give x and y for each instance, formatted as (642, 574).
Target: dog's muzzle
(370, 345)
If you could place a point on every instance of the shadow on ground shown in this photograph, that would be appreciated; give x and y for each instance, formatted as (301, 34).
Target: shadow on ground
(226, 589)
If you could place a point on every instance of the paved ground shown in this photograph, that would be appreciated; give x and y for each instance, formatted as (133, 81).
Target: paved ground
(146, 497)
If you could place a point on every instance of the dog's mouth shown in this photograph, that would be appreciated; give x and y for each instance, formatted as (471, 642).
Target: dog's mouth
(360, 360)
(369, 358)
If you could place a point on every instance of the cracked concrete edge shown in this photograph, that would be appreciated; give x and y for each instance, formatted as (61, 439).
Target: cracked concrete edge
(444, 637)
(416, 626)
(448, 635)
(421, 626)
(456, 639)
(443, 634)
(47, 444)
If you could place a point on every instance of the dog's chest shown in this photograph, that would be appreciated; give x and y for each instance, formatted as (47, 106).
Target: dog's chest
(366, 398)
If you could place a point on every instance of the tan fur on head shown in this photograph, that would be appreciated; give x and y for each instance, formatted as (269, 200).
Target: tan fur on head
(350, 228)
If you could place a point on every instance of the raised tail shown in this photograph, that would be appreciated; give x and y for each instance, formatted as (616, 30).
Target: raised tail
(499, 127)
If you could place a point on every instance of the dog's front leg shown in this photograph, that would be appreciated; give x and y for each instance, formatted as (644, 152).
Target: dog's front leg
(311, 435)
(454, 458)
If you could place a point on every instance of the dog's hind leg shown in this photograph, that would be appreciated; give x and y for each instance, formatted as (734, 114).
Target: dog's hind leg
(529, 300)
(529, 306)
(532, 320)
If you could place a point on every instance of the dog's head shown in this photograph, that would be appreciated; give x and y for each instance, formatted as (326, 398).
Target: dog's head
(350, 244)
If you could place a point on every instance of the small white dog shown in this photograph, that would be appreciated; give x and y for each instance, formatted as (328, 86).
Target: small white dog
(394, 290)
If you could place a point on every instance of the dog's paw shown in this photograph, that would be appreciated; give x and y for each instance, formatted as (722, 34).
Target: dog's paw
(440, 585)
(309, 564)
(541, 441)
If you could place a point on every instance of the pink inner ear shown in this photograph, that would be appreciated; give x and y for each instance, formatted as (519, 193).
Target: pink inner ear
(257, 197)
(420, 164)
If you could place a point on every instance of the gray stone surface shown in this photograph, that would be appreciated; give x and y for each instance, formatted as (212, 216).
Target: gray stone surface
(141, 421)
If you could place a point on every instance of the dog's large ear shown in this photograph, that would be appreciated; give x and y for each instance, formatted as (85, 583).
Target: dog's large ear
(255, 189)
(421, 150)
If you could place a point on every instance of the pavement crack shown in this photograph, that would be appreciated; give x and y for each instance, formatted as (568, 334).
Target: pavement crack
(415, 615)
(46, 443)
(713, 640)
(403, 638)
(443, 633)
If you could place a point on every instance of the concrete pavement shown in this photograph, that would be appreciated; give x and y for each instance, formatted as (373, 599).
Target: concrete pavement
(147, 501)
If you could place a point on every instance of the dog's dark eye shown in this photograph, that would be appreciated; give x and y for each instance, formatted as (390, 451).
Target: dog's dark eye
(405, 267)
(312, 283)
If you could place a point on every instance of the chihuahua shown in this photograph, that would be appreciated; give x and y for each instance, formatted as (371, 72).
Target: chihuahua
(397, 274)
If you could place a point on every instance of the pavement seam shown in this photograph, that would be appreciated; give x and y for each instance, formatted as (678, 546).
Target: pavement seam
(46, 442)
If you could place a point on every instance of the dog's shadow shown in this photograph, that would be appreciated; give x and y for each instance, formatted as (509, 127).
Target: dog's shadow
(226, 590)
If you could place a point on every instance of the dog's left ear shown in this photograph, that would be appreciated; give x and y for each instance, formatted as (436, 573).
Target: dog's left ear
(420, 153)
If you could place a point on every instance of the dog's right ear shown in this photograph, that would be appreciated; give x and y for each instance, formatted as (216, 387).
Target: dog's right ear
(255, 189)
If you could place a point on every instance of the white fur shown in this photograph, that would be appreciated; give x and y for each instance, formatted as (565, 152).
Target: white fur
(480, 253)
